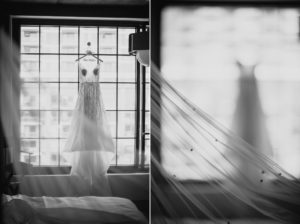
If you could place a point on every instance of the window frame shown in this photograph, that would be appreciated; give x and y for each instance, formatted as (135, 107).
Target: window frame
(140, 84)
(156, 21)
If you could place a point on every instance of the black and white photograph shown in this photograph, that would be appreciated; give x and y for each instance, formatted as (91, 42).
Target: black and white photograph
(150, 111)
(75, 111)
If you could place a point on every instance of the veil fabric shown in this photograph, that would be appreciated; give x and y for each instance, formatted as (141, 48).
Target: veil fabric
(238, 171)
(9, 92)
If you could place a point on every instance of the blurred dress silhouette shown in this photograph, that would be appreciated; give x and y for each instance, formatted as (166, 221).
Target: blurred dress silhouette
(249, 123)
(89, 138)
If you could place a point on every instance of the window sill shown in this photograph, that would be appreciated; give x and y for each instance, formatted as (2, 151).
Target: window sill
(200, 188)
(65, 170)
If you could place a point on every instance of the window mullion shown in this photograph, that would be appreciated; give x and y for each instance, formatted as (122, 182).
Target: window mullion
(143, 74)
(39, 95)
(58, 113)
(117, 92)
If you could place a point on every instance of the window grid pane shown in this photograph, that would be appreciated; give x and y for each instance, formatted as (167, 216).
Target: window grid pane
(30, 39)
(50, 87)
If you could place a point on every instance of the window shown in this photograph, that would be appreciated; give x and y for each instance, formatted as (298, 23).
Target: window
(50, 86)
(200, 63)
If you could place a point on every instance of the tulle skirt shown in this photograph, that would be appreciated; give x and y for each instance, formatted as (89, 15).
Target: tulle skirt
(89, 130)
(90, 140)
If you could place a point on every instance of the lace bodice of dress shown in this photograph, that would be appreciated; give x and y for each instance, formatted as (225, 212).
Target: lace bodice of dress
(89, 72)
(89, 90)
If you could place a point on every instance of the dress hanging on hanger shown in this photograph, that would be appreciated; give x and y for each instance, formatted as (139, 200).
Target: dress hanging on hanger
(89, 138)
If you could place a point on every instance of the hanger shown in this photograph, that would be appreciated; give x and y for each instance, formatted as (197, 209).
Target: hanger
(89, 52)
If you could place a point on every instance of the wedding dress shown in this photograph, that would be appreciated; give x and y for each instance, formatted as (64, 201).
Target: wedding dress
(89, 139)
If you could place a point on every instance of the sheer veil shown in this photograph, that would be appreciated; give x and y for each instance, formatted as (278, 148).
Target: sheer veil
(9, 92)
(238, 171)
